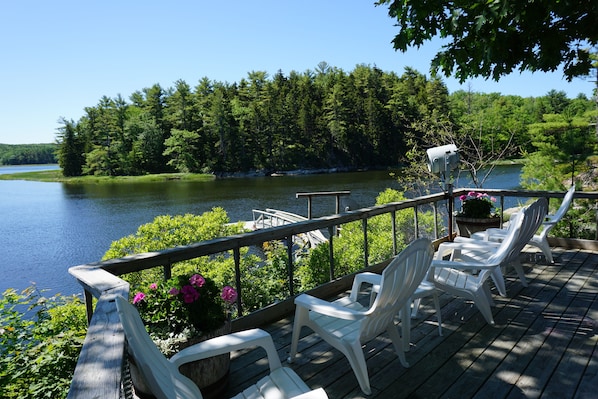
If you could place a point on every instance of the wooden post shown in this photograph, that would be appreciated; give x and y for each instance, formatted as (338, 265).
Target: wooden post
(365, 242)
(237, 257)
(331, 251)
(289, 241)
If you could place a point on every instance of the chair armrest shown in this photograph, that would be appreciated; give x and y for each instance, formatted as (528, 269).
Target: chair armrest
(449, 264)
(228, 343)
(466, 240)
(365, 277)
(328, 308)
(550, 219)
(315, 394)
(446, 248)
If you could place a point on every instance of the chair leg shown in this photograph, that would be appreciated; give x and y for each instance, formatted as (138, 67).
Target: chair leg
(415, 307)
(499, 281)
(438, 315)
(520, 273)
(481, 301)
(405, 316)
(397, 342)
(301, 315)
(542, 243)
(488, 294)
(356, 358)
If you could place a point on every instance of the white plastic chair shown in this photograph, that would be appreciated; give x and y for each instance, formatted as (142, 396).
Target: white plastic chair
(346, 324)
(165, 381)
(489, 247)
(466, 273)
(539, 240)
(424, 289)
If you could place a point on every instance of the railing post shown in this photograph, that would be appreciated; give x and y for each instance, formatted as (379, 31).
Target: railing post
(167, 271)
(393, 222)
(289, 241)
(88, 305)
(450, 216)
(416, 222)
(364, 223)
(331, 251)
(237, 258)
(502, 210)
(435, 207)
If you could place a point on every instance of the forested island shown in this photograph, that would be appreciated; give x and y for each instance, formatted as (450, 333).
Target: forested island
(26, 154)
(325, 118)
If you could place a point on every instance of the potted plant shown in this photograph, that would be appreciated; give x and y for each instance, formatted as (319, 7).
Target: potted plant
(183, 311)
(477, 213)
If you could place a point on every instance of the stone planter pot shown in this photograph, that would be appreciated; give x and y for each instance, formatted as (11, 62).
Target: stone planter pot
(468, 226)
(210, 375)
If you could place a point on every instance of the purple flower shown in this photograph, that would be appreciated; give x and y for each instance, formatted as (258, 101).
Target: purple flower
(229, 294)
(174, 291)
(197, 280)
(190, 295)
(463, 197)
(140, 296)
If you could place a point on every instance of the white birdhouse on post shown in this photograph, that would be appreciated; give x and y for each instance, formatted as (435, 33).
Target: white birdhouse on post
(442, 161)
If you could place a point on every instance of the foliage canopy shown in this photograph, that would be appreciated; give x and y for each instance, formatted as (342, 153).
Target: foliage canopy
(492, 38)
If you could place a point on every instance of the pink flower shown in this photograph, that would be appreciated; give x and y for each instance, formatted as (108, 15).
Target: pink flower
(229, 294)
(153, 286)
(174, 291)
(190, 295)
(140, 296)
(463, 197)
(197, 280)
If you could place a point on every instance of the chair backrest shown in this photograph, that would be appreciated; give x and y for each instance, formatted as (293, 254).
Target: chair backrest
(554, 219)
(520, 233)
(162, 377)
(567, 199)
(399, 281)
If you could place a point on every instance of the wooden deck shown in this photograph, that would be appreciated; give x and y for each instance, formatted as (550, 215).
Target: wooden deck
(544, 344)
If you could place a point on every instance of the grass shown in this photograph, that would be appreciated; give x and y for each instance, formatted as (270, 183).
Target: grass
(56, 176)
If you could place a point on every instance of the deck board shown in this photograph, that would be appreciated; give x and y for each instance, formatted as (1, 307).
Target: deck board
(544, 344)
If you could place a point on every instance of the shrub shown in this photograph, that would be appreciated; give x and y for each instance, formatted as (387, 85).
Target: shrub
(40, 341)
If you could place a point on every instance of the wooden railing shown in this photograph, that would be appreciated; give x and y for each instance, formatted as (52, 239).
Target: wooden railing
(98, 371)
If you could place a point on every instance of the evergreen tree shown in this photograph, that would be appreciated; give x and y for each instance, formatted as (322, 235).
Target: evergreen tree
(70, 151)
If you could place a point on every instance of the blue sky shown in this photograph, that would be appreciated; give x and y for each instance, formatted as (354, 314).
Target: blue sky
(60, 56)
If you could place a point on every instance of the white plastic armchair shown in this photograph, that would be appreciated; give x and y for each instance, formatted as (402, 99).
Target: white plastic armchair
(165, 381)
(539, 240)
(486, 248)
(424, 289)
(471, 263)
(346, 324)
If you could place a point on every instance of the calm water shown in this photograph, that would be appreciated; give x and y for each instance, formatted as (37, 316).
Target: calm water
(48, 227)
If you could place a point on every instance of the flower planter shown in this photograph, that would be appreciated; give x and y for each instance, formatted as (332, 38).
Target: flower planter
(210, 375)
(468, 226)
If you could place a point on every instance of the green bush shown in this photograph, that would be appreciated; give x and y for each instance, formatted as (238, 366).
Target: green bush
(349, 245)
(262, 284)
(40, 341)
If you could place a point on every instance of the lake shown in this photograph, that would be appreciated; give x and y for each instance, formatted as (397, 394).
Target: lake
(48, 227)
